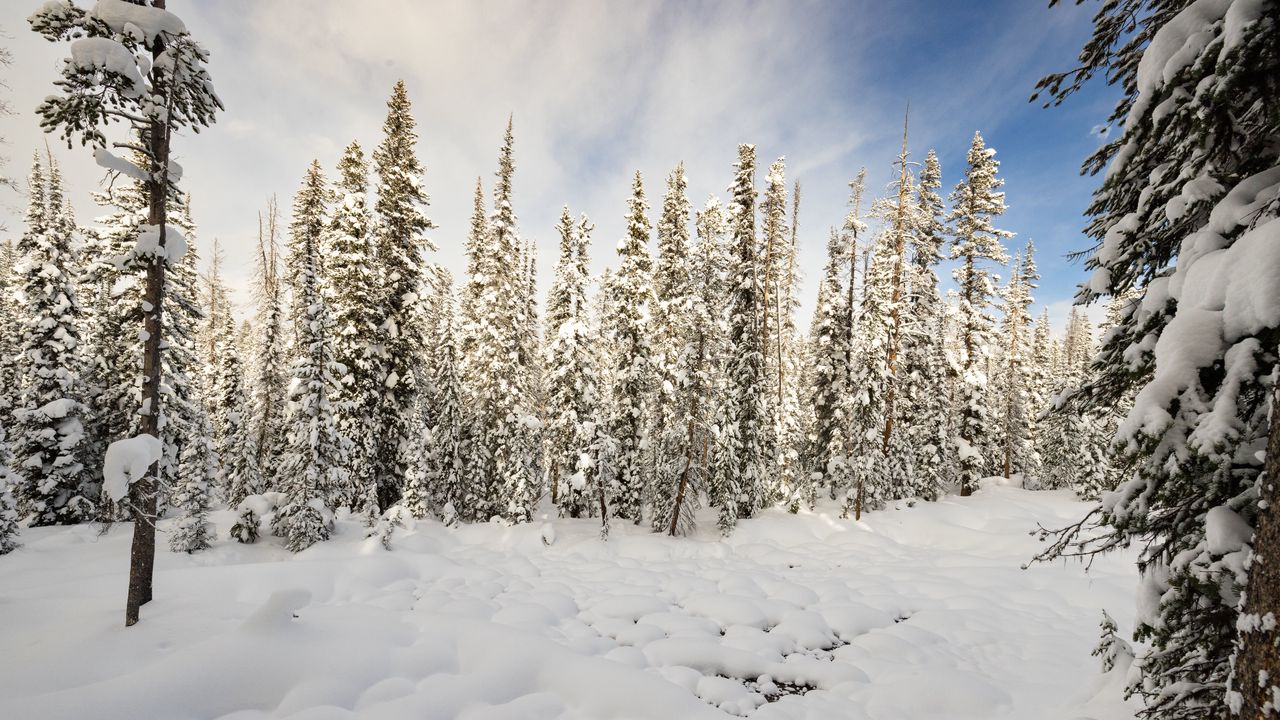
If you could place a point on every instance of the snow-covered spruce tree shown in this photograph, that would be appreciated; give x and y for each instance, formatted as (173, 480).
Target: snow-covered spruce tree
(479, 272)
(49, 438)
(8, 507)
(975, 201)
(269, 355)
(696, 375)
(313, 460)
(189, 464)
(1013, 374)
(351, 280)
(1187, 214)
(921, 410)
(444, 482)
(671, 307)
(9, 331)
(400, 244)
(778, 261)
(238, 463)
(870, 377)
(740, 462)
(571, 383)
(627, 474)
(1073, 446)
(828, 374)
(139, 65)
(502, 456)
(789, 355)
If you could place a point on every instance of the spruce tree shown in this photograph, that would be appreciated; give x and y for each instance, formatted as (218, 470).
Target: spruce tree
(672, 300)
(688, 439)
(352, 280)
(1185, 207)
(400, 245)
(571, 383)
(828, 373)
(49, 431)
(9, 331)
(921, 408)
(267, 395)
(238, 478)
(975, 201)
(8, 507)
(627, 473)
(446, 485)
(740, 462)
(313, 460)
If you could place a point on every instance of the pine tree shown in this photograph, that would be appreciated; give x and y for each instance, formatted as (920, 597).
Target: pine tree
(921, 408)
(1187, 203)
(351, 279)
(740, 461)
(48, 419)
(502, 453)
(571, 384)
(313, 461)
(791, 418)
(689, 433)
(828, 373)
(9, 331)
(238, 478)
(1013, 382)
(8, 508)
(443, 477)
(773, 275)
(177, 94)
(267, 395)
(189, 464)
(627, 473)
(400, 244)
(975, 202)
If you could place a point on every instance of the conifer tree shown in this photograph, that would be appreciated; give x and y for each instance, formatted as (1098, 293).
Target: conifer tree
(8, 508)
(502, 452)
(313, 461)
(688, 439)
(443, 476)
(671, 315)
(627, 473)
(352, 281)
(571, 384)
(267, 395)
(400, 245)
(1013, 374)
(828, 373)
(148, 74)
(740, 461)
(239, 467)
(975, 201)
(921, 408)
(776, 278)
(9, 331)
(1187, 204)
(48, 419)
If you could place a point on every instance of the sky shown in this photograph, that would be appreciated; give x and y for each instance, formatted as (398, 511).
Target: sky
(599, 90)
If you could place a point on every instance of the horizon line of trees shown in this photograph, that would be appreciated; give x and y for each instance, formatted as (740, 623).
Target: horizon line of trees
(678, 379)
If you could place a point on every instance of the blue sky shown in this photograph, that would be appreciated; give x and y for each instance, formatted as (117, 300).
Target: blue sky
(599, 90)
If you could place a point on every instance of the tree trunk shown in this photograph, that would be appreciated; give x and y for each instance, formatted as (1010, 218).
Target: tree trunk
(142, 553)
(1256, 675)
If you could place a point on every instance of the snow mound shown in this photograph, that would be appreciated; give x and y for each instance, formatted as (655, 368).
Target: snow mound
(912, 614)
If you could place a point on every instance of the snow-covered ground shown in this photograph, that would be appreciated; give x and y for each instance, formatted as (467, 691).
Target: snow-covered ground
(913, 613)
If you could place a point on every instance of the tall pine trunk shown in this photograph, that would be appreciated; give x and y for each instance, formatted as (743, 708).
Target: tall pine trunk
(1256, 675)
(142, 553)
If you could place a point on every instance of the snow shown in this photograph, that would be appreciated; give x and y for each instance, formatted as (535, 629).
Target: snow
(913, 613)
(1225, 531)
(110, 161)
(175, 243)
(137, 20)
(100, 53)
(126, 462)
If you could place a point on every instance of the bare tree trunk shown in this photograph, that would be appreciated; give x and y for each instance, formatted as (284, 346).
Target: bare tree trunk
(142, 553)
(1256, 675)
